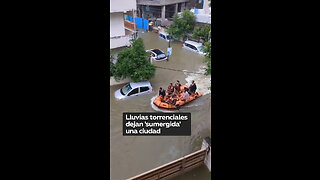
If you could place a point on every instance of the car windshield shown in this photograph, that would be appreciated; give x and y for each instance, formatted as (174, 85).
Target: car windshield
(201, 48)
(157, 51)
(125, 89)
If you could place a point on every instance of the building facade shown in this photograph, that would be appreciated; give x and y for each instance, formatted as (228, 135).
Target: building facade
(120, 34)
(164, 9)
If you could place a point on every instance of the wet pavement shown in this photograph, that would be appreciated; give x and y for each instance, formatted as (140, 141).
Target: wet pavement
(132, 155)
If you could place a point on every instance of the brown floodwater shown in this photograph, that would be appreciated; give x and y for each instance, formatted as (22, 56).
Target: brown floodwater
(132, 155)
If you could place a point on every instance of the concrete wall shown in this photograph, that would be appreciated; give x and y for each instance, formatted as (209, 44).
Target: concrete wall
(120, 41)
(122, 5)
(116, 24)
(203, 18)
(206, 144)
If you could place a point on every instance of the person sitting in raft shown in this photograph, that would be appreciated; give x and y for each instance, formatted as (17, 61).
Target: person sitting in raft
(170, 89)
(185, 95)
(177, 86)
(175, 91)
(192, 88)
(172, 100)
(162, 92)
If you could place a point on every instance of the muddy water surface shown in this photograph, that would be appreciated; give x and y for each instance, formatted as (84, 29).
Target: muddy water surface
(132, 155)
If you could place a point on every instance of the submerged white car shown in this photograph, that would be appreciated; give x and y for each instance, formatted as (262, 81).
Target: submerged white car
(134, 89)
(165, 36)
(157, 54)
(194, 46)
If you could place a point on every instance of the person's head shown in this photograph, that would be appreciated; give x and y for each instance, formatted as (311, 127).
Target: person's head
(170, 84)
(192, 81)
(178, 81)
(160, 88)
(185, 89)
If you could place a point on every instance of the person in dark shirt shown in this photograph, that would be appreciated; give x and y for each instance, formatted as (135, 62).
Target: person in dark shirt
(162, 92)
(170, 89)
(192, 88)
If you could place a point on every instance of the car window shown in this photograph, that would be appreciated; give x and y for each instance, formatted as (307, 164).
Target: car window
(189, 46)
(143, 89)
(125, 89)
(133, 92)
(192, 47)
(201, 48)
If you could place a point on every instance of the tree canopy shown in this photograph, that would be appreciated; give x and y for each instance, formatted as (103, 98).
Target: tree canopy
(134, 63)
(182, 24)
(112, 66)
(202, 32)
(207, 50)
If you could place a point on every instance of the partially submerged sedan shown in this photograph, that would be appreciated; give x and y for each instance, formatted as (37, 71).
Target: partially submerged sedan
(134, 89)
(157, 55)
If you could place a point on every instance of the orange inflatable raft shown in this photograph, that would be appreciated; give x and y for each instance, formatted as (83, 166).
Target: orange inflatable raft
(160, 102)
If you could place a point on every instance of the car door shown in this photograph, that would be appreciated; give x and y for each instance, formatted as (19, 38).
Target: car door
(134, 92)
(162, 36)
(144, 90)
(153, 56)
(193, 48)
(189, 47)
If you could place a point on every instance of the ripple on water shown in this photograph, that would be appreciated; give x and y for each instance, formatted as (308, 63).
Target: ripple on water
(202, 81)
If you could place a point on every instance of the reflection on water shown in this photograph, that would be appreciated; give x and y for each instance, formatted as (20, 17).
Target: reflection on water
(131, 155)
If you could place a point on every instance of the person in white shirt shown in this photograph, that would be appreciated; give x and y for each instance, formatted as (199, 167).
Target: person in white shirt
(185, 95)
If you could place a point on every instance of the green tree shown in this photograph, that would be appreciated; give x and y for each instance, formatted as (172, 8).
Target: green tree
(182, 24)
(207, 50)
(112, 66)
(134, 63)
(202, 32)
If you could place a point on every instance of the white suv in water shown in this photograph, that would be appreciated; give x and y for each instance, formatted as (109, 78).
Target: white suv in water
(134, 89)
(194, 46)
(157, 54)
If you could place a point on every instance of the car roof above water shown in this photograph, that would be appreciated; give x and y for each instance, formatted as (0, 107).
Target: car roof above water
(139, 84)
(164, 33)
(193, 43)
(157, 51)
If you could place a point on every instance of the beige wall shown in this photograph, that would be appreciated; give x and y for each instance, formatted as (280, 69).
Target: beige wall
(122, 5)
(120, 41)
(116, 24)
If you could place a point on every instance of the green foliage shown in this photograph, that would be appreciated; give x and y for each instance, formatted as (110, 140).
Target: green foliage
(202, 32)
(207, 50)
(134, 63)
(112, 66)
(182, 25)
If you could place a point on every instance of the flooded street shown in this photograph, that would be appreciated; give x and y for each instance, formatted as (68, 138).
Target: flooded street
(132, 155)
